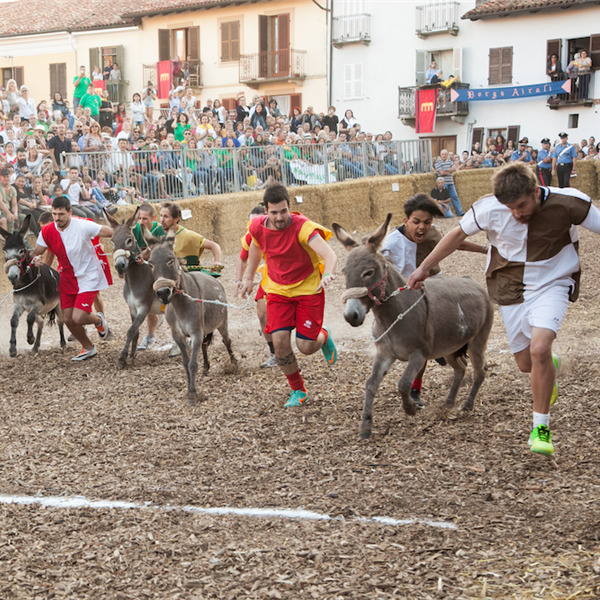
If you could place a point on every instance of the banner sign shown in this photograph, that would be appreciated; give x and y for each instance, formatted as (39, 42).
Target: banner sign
(164, 77)
(512, 93)
(312, 174)
(99, 86)
(425, 102)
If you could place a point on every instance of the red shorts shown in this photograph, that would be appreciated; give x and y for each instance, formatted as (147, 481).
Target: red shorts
(260, 293)
(305, 313)
(83, 301)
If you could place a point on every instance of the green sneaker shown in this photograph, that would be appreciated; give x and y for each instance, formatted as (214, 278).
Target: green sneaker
(297, 398)
(556, 360)
(540, 441)
(328, 348)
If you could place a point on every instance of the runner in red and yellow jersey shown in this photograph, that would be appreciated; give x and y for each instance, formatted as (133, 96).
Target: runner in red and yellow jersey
(294, 248)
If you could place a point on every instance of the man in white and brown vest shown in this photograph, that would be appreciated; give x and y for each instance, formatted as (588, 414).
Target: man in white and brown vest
(532, 272)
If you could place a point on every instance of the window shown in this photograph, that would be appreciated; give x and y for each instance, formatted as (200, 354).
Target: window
(353, 81)
(573, 121)
(500, 65)
(230, 41)
(448, 61)
(15, 73)
(105, 57)
(182, 43)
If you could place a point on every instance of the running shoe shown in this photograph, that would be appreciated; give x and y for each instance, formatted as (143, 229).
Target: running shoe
(297, 398)
(270, 362)
(540, 440)
(102, 329)
(174, 351)
(328, 348)
(416, 398)
(148, 342)
(556, 360)
(85, 354)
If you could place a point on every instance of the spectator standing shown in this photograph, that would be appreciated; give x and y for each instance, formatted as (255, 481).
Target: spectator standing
(522, 154)
(331, 120)
(242, 109)
(27, 106)
(431, 71)
(585, 70)
(149, 96)
(564, 161)
(107, 113)
(92, 101)
(553, 68)
(81, 83)
(138, 111)
(347, 122)
(445, 167)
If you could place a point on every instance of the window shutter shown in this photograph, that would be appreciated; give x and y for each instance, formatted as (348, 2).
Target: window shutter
(164, 44)
(477, 136)
(225, 41)
(263, 45)
(235, 40)
(513, 134)
(120, 58)
(353, 81)
(595, 51)
(506, 65)
(421, 67)
(347, 82)
(358, 81)
(494, 69)
(295, 102)
(95, 60)
(193, 48)
(457, 63)
(58, 79)
(553, 47)
(229, 103)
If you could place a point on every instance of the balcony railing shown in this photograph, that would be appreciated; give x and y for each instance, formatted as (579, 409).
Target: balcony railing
(437, 17)
(444, 107)
(351, 28)
(280, 64)
(581, 94)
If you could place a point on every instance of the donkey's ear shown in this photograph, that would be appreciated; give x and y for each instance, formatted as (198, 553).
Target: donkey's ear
(343, 236)
(4, 233)
(150, 239)
(25, 225)
(377, 237)
(170, 239)
(132, 219)
(110, 219)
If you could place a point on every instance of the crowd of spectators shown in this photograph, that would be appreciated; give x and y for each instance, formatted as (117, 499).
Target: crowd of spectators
(103, 154)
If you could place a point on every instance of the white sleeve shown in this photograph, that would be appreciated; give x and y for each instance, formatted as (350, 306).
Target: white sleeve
(92, 229)
(40, 240)
(469, 224)
(592, 221)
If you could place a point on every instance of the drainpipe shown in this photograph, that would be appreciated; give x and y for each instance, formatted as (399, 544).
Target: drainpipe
(330, 49)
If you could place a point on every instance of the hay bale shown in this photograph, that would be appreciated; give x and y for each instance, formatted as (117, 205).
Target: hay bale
(309, 200)
(587, 178)
(472, 184)
(385, 200)
(422, 183)
(347, 203)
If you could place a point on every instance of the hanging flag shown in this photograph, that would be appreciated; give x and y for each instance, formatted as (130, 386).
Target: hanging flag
(99, 86)
(512, 93)
(425, 101)
(164, 76)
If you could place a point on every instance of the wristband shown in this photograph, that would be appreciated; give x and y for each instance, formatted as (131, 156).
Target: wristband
(326, 275)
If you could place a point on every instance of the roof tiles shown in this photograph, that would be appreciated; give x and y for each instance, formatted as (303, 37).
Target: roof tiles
(505, 8)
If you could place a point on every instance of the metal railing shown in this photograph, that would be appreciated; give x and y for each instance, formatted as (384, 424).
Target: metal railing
(155, 175)
(351, 28)
(272, 65)
(437, 17)
(444, 105)
(581, 92)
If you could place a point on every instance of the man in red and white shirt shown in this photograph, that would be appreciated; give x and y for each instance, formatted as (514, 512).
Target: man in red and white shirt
(81, 273)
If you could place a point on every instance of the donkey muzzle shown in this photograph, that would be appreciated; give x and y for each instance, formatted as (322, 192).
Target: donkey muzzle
(121, 264)
(164, 294)
(355, 312)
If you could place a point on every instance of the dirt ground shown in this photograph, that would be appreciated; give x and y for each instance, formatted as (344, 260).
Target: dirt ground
(525, 526)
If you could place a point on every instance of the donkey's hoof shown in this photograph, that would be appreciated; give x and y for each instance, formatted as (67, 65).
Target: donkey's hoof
(192, 399)
(365, 435)
(30, 340)
(121, 364)
(410, 408)
(12, 352)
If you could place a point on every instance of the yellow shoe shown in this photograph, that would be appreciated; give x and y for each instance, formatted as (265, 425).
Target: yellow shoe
(540, 440)
(556, 360)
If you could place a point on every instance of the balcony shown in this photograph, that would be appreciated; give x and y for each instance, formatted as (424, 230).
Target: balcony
(577, 97)
(281, 65)
(437, 17)
(444, 108)
(351, 29)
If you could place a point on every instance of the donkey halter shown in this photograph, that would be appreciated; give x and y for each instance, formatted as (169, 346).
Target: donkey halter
(360, 292)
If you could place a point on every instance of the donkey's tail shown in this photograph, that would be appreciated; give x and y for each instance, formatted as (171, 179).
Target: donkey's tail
(52, 317)
(461, 354)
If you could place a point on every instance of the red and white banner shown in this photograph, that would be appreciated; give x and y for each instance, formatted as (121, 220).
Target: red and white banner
(164, 76)
(425, 101)
(99, 86)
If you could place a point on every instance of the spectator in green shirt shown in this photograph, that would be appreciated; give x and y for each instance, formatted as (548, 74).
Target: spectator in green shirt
(81, 83)
(92, 101)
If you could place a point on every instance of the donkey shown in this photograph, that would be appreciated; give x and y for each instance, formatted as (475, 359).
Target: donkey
(35, 290)
(137, 290)
(195, 308)
(447, 318)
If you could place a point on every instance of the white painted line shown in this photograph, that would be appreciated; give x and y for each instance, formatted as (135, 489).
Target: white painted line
(281, 513)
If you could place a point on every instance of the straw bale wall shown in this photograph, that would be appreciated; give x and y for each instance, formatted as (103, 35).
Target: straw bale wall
(356, 205)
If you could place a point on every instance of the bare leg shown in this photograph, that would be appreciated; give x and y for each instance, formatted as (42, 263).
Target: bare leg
(283, 351)
(76, 319)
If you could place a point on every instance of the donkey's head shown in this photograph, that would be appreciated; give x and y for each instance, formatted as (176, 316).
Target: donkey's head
(166, 268)
(126, 249)
(16, 254)
(365, 272)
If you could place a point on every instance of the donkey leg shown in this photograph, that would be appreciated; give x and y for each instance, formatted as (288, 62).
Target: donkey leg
(416, 362)
(193, 369)
(205, 344)
(40, 326)
(131, 338)
(224, 331)
(477, 355)
(460, 366)
(381, 365)
(14, 323)
(61, 327)
(31, 319)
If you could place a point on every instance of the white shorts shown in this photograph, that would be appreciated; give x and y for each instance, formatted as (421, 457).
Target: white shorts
(546, 310)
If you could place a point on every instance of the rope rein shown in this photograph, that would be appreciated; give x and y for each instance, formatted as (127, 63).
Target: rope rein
(398, 318)
(171, 283)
